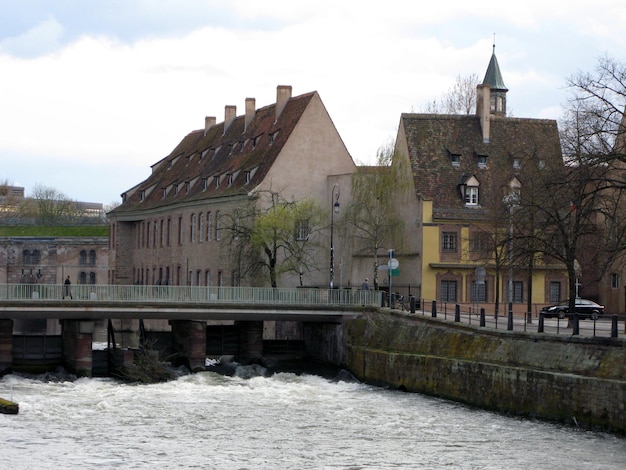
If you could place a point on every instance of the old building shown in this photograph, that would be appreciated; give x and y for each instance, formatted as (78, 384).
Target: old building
(169, 228)
(467, 169)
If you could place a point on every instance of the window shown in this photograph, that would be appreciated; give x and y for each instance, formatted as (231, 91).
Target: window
(248, 176)
(209, 226)
(518, 292)
(142, 195)
(218, 226)
(217, 181)
(82, 258)
(455, 159)
(180, 230)
(229, 179)
(479, 242)
(555, 292)
(201, 228)
(614, 280)
(448, 291)
(92, 257)
(471, 195)
(448, 242)
(205, 184)
(302, 230)
(516, 164)
(82, 277)
(92, 278)
(479, 291)
(482, 161)
(175, 188)
(192, 228)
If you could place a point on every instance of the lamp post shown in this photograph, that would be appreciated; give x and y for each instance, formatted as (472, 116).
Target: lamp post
(511, 200)
(334, 208)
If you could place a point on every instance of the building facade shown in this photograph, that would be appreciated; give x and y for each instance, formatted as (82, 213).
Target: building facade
(468, 170)
(169, 228)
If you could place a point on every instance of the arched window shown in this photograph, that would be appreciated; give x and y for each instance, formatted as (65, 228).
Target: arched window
(26, 256)
(35, 257)
(92, 278)
(82, 258)
(193, 228)
(209, 226)
(92, 257)
(201, 228)
(82, 277)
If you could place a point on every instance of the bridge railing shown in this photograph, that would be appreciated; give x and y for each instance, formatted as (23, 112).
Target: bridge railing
(232, 295)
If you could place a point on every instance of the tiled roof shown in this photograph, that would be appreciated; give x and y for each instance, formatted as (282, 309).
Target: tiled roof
(446, 150)
(189, 172)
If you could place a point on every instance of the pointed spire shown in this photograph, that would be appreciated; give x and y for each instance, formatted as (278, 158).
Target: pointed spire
(493, 77)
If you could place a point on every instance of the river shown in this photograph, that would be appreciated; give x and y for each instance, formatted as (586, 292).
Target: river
(285, 421)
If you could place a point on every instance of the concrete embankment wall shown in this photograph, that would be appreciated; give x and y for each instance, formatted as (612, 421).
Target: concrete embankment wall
(563, 378)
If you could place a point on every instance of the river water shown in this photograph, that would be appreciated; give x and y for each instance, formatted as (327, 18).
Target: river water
(285, 421)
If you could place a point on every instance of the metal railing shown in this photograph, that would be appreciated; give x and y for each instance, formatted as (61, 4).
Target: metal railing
(181, 294)
(612, 326)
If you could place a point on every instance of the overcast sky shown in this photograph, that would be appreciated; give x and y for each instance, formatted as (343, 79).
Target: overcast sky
(94, 92)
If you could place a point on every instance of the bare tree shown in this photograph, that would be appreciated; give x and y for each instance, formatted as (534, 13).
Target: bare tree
(459, 99)
(50, 206)
(371, 220)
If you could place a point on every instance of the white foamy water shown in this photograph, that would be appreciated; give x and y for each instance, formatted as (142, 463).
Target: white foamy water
(286, 421)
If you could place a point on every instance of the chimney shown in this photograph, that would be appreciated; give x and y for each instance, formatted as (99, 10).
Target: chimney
(483, 109)
(283, 93)
(230, 113)
(209, 122)
(250, 110)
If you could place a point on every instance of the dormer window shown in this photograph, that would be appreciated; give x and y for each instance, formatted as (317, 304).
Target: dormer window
(248, 176)
(187, 187)
(216, 179)
(164, 192)
(255, 141)
(455, 159)
(205, 184)
(516, 164)
(142, 195)
(175, 188)
(482, 161)
(469, 190)
(273, 137)
(229, 179)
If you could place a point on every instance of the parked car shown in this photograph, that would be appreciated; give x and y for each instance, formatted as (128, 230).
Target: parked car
(584, 308)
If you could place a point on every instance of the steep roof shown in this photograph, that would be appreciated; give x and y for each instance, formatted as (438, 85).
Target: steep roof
(218, 162)
(446, 150)
(493, 77)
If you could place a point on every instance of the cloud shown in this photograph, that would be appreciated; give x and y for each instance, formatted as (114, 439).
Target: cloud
(39, 40)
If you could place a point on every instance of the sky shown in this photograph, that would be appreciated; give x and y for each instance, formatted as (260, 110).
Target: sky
(92, 93)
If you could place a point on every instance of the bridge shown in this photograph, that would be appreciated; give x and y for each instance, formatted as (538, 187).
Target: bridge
(96, 302)
(188, 310)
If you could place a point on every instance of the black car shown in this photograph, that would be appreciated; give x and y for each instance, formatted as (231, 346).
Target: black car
(584, 308)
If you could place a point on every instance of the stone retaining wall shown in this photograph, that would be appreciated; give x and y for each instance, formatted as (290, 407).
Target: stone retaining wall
(568, 379)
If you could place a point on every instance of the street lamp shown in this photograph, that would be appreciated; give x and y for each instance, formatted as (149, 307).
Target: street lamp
(333, 209)
(511, 200)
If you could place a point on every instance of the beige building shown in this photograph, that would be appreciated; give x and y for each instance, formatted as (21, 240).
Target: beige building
(169, 228)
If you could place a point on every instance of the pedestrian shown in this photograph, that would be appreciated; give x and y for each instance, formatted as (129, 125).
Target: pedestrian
(66, 291)
(366, 284)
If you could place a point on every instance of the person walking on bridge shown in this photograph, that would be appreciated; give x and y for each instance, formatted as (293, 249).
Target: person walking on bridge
(66, 289)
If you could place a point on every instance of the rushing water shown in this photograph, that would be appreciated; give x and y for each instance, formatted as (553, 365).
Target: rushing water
(286, 421)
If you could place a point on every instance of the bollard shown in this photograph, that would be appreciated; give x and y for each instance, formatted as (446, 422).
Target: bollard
(482, 317)
(614, 326)
(576, 325)
(412, 303)
(540, 327)
(509, 325)
(529, 319)
(457, 313)
(434, 309)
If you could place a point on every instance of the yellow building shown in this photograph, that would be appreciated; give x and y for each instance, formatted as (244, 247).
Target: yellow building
(467, 171)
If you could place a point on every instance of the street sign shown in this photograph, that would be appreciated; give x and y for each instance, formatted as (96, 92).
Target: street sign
(393, 263)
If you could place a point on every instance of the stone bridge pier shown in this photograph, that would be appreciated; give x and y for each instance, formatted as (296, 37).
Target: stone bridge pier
(77, 346)
(6, 346)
